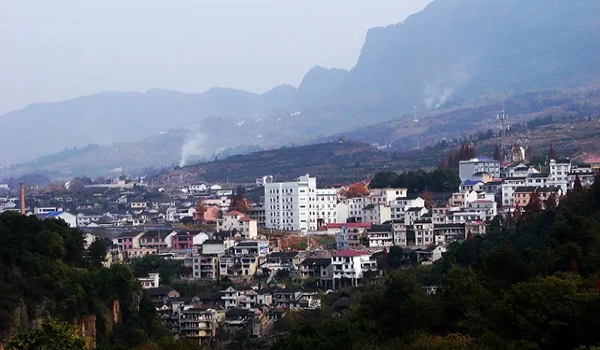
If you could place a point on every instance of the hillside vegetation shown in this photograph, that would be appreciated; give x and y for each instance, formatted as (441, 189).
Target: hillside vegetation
(532, 282)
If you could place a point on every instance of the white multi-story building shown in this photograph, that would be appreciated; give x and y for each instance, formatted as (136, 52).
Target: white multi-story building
(559, 173)
(509, 185)
(468, 168)
(352, 265)
(299, 205)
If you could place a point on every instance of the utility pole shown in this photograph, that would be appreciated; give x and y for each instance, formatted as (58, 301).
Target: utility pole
(502, 117)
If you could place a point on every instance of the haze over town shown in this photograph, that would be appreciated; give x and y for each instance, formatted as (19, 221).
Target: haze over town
(69, 48)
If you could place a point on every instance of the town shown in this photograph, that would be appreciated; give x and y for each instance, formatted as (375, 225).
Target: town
(258, 260)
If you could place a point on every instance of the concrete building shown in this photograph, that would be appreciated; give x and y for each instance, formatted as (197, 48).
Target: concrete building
(299, 205)
(238, 223)
(468, 168)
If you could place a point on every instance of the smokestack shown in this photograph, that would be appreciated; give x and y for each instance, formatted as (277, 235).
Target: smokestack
(22, 198)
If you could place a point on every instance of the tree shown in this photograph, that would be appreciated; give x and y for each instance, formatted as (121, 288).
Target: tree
(497, 154)
(577, 187)
(200, 210)
(355, 190)
(51, 336)
(427, 196)
(239, 202)
(97, 253)
(551, 153)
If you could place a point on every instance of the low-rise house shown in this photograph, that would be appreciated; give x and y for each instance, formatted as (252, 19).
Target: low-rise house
(430, 254)
(127, 240)
(152, 281)
(238, 265)
(280, 261)
(238, 223)
(294, 299)
(315, 268)
(351, 265)
(199, 324)
(188, 239)
(205, 267)
(380, 236)
(157, 239)
(350, 236)
(69, 218)
(254, 248)
(161, 295)
(448, 233)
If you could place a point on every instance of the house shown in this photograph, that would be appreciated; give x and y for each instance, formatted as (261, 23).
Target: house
(199, 324)
(380, 236)
(471, 185)
(377, 213)
(430, 254)
(316, 268)
(213, 246)
(254, 248)
(509, 185)
(467, 168)
(448, 233)
(205, 267)
(238, 265)
(127, 240)
(294, 299)
(522, 195)
(423, 232)
(138, 204)
(413, 214)
(188, 239)
(152, 281)
(201, 187)
(350, 236)
(160, 295)
(401, 204)
(68, 218)
(238, 223)
(351, 265)
(280, 261)
(157, 239)
(258, 213)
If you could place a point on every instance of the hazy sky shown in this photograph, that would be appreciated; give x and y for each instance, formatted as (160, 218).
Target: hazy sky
(54, 50)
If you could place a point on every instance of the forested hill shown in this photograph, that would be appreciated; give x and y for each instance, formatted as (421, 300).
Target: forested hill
(533, 282)
(46, 276)
(337, 161)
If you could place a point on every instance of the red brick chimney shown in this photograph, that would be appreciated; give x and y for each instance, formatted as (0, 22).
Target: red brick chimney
(22, 198)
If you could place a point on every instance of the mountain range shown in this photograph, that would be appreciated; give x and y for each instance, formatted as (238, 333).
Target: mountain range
(453, 53)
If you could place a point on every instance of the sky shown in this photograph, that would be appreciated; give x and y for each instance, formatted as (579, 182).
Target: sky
(60, 49)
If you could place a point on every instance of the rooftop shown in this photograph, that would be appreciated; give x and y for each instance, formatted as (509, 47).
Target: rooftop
(349, 253)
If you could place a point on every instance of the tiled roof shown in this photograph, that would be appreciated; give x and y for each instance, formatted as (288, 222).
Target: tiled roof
(234, 213)
(349, 253)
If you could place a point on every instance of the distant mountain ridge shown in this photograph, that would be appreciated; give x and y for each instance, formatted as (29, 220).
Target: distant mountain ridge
(454, 51)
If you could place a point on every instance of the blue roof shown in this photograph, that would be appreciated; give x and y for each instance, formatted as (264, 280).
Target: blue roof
(470, 183)
(50, 215)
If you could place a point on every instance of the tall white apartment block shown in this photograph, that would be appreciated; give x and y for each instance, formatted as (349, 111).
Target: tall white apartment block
(299, 205)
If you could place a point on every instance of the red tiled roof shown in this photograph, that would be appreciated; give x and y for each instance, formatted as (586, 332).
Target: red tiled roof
(234, 213)
(348, 225)
(592, 160)
(349, 253)
(245, 218)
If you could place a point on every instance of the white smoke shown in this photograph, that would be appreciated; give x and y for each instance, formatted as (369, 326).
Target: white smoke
(192, 148)
(440, 91)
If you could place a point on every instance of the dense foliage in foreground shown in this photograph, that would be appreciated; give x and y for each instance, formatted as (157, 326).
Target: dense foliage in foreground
(46, 273)
(532, 282)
